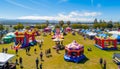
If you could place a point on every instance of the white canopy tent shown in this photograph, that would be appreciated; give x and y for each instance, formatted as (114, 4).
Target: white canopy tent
(4, 58)
(114, 32)
(92, 34)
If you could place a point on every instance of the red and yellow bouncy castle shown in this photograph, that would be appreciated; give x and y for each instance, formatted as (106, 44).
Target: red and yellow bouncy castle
(105, 43)
(24, 39)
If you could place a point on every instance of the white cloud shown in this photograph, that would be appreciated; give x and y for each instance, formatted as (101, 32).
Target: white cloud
(72, 16)
(19, 5)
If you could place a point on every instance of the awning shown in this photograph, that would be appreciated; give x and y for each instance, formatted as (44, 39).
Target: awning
(4, 58)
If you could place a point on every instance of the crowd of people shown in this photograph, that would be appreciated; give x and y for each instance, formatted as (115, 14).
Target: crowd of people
(19, 61)
(4, 50)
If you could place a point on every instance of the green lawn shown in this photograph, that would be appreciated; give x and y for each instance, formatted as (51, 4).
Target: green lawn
(57, 60)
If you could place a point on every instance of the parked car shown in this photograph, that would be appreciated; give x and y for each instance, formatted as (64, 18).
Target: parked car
(116, 58)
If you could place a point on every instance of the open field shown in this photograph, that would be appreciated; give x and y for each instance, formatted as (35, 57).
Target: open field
(57, 60)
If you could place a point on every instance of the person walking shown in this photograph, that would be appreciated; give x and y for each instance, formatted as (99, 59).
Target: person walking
(41, 66)
(35, 50)
(37, 62)
(40, 45)
(20, 61)
(85, 37)
(16, 51)
(41, 56)
(3, 50)
(29, 49)
(16, 61)
(101, 61)
(6, 50)
(57, 50)
(104, 64)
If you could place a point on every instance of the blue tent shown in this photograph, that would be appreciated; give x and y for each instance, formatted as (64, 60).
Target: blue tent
(117, 37)
(102, 35)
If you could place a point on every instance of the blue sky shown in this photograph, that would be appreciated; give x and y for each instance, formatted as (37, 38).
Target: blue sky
(74, 10)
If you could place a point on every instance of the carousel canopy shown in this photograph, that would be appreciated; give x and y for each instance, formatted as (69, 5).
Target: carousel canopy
(74, 46)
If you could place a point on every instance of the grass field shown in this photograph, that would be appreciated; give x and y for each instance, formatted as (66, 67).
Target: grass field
(57, 61)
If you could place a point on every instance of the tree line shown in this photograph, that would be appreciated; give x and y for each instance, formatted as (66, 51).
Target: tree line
(96, 24)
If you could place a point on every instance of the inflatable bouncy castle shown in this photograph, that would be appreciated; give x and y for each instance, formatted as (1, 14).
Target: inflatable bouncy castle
(105, 42)
(58, 34)
(74, 52)
(24, 39)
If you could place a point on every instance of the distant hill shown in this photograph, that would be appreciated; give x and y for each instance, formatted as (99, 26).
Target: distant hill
(14, 21)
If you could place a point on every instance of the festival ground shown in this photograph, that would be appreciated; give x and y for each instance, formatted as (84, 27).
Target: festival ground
(57, 60)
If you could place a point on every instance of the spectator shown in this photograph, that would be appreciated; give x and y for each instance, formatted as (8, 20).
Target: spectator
(101, 61)
(84, 37)
(29, 49)
(41, 66)
(40, 45)
(20, 61)
(41, 55)
(35, 50)
(16, 61)
(104, 64)
(3, 50)
(16, 51)
(57, 50)
(49, 51)
(37, 62)
(6, 50)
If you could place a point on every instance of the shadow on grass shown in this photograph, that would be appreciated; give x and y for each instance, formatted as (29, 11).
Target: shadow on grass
(113, 50)
(83, 61)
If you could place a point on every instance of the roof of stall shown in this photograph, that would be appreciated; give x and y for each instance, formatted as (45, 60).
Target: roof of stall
(114, 32)
(4, 58)
(102, 35)
(91, 33)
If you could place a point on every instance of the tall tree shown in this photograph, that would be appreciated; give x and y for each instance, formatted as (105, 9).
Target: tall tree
(38, 26)
(95, 21)
(100, 21)
(19, 26)
(110, 25)
(96, 24)
(1, 27)
(27, 27)
(68, 23)
(61, 23)
(47, 23)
